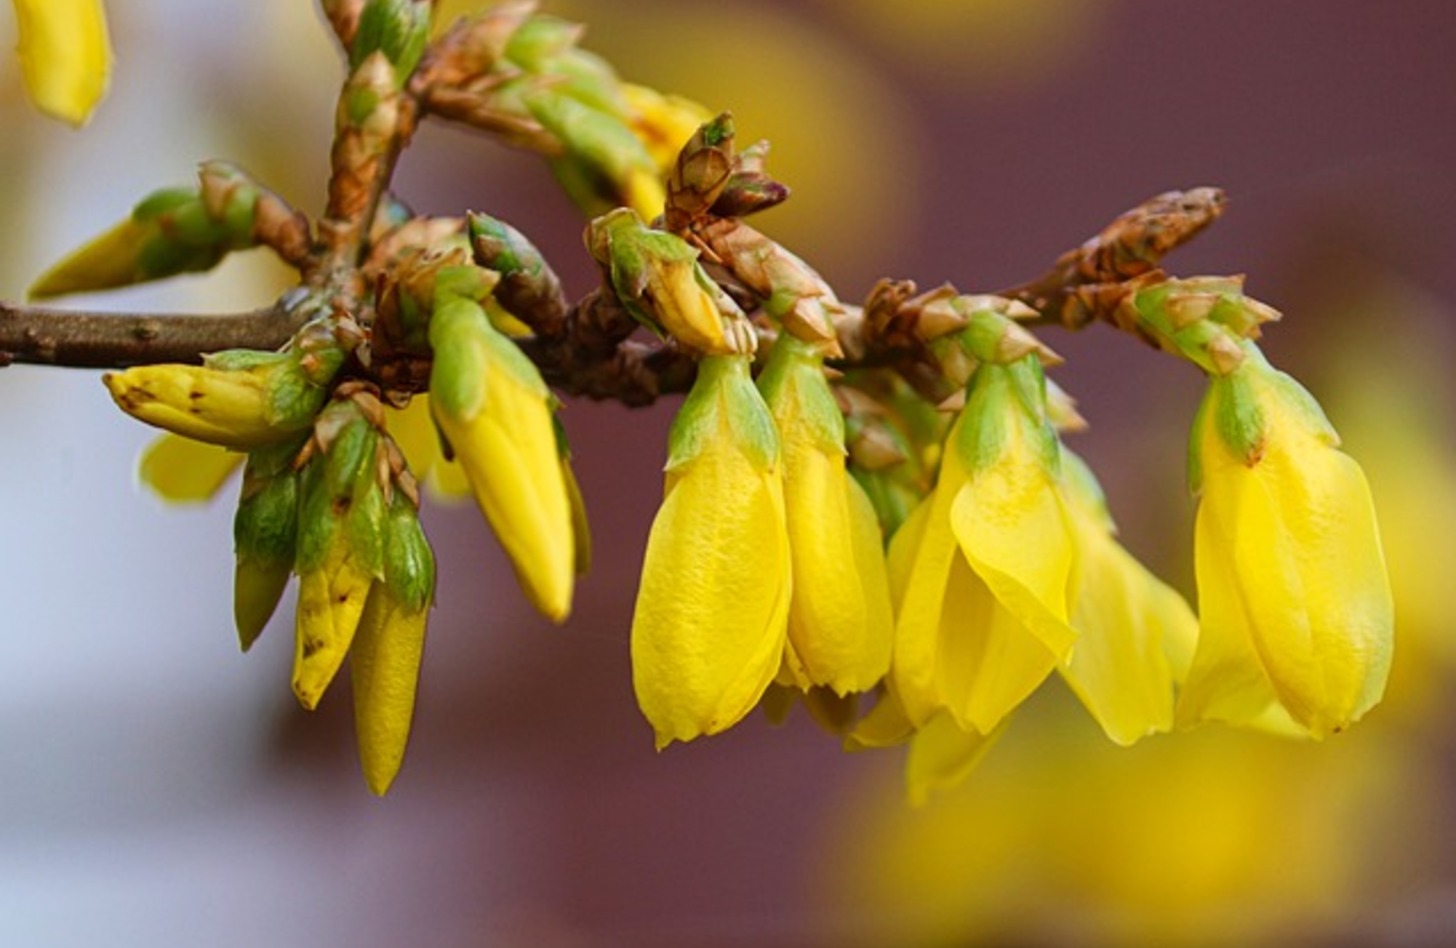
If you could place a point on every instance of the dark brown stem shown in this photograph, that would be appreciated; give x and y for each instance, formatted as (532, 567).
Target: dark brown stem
(45, 336)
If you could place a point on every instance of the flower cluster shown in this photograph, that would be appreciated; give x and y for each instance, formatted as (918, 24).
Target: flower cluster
(860, 500)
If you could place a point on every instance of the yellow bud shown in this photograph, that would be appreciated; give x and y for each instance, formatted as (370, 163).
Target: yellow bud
(228, 408)
(384, 669)
(685, 307)
(494, 410)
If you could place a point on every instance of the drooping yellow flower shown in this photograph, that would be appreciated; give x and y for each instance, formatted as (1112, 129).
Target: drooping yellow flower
(984, 615)
(494, 409)
(841, 625)
(1135, 633)
(1295, 605)
(710, 628)
(65, 55)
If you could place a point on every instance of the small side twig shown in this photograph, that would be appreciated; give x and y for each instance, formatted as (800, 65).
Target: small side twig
(1081, 286)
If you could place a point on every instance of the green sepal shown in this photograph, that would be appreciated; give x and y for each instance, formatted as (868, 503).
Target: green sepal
(265, 531)
(597, 141)
(243, 360)
(466, 346)
(463, 282)
(1238, 418)
(460, 361)
(266, 524)
(997, 397)
(293, 400)
(629, 247)
(326, 491)
(257, 588)
(507, 251)
(540, 40)
(409, 563)
(365, 523)
(795, 371)
(162, 201)
(723, 391)
(397, 28)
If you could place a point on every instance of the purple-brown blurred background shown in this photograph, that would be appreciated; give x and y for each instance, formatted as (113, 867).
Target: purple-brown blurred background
(158, 789)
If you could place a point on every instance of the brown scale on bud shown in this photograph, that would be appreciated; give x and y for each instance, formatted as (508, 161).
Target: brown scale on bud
(1082, 285)
(471, 48)
(704, 167)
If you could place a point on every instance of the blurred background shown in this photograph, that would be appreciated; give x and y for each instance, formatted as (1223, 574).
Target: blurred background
(156, 788)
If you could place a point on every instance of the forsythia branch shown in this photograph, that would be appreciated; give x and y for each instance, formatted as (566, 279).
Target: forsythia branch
(589, 353)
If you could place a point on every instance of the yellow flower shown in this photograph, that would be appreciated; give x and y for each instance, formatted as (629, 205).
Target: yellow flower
(663, 123)
(1294, 601)
(984, 615)
(65, 55)
(710, 628)
(494, 409)
(840, 622)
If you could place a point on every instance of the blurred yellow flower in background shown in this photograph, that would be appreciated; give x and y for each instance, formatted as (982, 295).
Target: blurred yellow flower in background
(65, 55)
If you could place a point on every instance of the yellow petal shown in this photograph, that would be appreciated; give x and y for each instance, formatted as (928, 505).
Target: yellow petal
(1013, 528)
(183, 470)
(840, 621)
(330, 602)
(918, 623)
(709, 630)
(942, 756)
(900, 557)
(65, 55)
(663, 123)
(384, 670)
(987, 661)
(414, 431)
(1119, 666)
(685, 307)
(885, 726)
